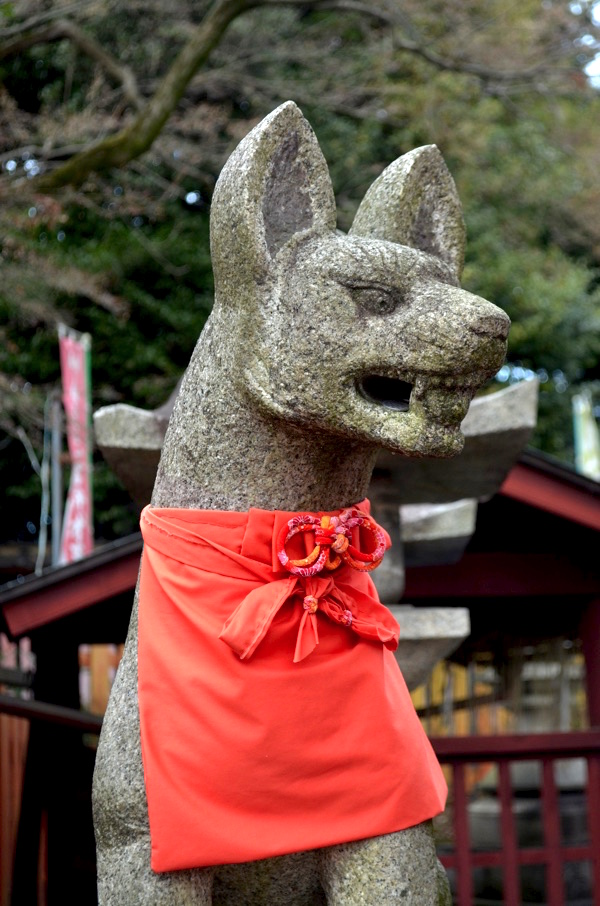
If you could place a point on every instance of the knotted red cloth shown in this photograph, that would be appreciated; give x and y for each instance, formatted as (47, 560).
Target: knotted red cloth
(274, 717)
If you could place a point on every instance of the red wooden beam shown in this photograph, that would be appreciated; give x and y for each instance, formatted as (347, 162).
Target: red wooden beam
(510, 864)
(503, 575)
(563, 495)
(517, 746)
(593, 812)
(464, 875)
(502, 750)
(551, 819)
(493, 858)
(75, 591)
(590, 636)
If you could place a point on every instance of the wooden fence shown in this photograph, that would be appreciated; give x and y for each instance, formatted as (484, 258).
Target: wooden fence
(14, 734)
(553, 857)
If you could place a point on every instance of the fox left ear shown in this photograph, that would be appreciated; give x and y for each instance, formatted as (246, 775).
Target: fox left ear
(414, 202)
(274, 187)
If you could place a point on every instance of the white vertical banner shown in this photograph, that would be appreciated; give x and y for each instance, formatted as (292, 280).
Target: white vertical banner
(587, 436)
(75, 364)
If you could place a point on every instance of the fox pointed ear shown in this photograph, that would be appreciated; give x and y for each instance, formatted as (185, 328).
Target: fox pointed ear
(414, 202)
(274, 186)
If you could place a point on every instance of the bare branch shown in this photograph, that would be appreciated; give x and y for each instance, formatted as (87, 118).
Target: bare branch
(154, 252)
(346, 5)
(48, 16)
(40, 152)
(482, 72)
(130, 142)
(70, 280)
(419, 49)
(64, 29)
(416, 47)
(22, 435)
(136, 138)
(74, 281)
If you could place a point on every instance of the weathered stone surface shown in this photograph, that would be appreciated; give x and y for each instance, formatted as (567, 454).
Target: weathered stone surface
(430, 521)
(428, 635)
(408, 494)
(320, 349)
(366, 871)
(496, 429)
(396, 207)
(422, 534)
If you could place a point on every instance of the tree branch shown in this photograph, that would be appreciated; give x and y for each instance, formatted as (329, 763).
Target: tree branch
(136, 138)
(64, 29)
(48, 16)
(416, 47)
(482, 72)
(133, 140)
(419, 49)
(130, 142)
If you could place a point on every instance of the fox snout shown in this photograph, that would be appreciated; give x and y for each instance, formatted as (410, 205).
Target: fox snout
(468, 335)
(493, 325)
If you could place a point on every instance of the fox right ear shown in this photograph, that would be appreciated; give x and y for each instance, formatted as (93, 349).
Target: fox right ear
(414, 202)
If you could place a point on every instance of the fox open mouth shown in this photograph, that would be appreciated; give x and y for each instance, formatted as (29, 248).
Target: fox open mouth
(389, 392)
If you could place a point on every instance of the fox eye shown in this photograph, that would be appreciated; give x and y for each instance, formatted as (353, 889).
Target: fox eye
(375, 300)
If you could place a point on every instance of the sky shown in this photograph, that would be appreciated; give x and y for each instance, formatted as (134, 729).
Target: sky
(593, 68)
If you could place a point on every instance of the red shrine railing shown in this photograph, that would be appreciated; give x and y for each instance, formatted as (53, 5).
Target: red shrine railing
(554, 856)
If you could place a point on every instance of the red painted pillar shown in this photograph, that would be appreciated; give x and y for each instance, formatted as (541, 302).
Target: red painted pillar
(590, 637)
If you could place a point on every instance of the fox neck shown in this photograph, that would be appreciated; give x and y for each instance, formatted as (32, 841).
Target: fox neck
(222, 453)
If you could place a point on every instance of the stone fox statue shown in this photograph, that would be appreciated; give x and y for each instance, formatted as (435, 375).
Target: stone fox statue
(321, 349)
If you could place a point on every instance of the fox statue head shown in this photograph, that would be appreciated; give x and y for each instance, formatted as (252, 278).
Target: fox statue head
(367, 335)
(322, 347)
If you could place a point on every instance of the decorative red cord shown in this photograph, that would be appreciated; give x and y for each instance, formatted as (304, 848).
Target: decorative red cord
(333, 534)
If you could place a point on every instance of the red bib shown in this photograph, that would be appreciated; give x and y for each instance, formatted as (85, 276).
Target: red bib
(274, 717)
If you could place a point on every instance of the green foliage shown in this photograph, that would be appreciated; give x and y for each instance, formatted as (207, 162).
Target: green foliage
(551, 301)
(161, 273)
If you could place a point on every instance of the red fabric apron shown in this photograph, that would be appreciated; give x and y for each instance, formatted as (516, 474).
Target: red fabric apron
(268, 727)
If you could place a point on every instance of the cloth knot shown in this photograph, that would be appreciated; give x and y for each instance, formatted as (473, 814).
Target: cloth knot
(338, 602)
(311, 603)
(340, 544)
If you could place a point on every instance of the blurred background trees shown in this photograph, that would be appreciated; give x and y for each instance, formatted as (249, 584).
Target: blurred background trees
(116, 117)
